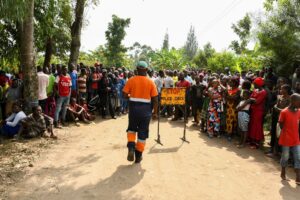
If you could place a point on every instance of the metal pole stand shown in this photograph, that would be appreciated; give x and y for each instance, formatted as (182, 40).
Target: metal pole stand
(158, 120)
(184, 131)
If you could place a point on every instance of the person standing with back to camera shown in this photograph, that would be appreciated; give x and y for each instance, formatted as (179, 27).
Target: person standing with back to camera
(141, 91)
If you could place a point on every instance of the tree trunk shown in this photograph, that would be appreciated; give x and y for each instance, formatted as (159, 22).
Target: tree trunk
(76, 32)
(27, 58)
(48, 52)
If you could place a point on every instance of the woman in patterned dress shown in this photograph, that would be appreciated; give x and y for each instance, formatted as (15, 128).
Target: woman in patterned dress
(232, 99)
(215, 109)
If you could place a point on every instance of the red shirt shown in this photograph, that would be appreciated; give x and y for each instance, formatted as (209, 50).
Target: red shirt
(290, 133)
(183, 83)
(95, 77)
(260, 97)
(64, 85)
(3, 80)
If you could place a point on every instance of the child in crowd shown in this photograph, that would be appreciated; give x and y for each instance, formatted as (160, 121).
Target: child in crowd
(75, 111)
(88, 115)
(283, 101)
(289, 137)
(244, 117)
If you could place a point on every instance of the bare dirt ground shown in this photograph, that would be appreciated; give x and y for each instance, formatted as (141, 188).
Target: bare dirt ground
(89, 162)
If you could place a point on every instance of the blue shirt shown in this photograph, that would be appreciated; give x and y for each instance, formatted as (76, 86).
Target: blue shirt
(74, 77)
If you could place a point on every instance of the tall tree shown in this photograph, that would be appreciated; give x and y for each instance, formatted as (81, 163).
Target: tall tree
(22, 12)
(140, 52)
(201, 59)
(242, 29)
(166, 42)
(114, 35)
(76, 31)
(191, 45)
(52, 28)
(278, 35)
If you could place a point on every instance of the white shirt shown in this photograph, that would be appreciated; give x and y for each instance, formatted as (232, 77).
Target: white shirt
(159, 82)
(16, 117)
(43, 81)
(189, 79)
(169, 82)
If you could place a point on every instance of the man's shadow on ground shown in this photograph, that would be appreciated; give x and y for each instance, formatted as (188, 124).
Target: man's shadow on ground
(113, 187)
(288, 192)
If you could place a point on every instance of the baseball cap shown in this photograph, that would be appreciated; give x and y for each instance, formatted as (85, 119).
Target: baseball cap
(142, 64)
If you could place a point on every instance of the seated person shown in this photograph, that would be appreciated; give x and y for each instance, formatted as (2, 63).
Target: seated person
(11, 126)
(88, 115)
(75, 111)
(12, 94)
(36, 124)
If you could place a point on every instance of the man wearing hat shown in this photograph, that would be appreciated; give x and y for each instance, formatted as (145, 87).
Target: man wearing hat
(141, 91)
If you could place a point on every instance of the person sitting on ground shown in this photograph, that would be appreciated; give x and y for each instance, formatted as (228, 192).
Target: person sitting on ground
(13, 93)
(35, 125)
(88, 115)
(11, 126)
(75, 111)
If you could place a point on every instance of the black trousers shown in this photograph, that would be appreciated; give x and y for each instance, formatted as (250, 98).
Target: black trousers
(42, 103)
(106, 101)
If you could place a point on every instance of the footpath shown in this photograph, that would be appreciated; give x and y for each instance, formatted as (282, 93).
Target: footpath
(89, 163)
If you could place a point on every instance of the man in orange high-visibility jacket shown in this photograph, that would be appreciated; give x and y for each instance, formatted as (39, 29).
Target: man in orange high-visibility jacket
(141, 91)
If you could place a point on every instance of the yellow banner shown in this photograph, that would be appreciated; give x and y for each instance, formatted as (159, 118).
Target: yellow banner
(172, 96)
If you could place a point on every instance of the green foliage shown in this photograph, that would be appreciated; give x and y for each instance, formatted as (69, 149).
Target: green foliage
(247, 62)
(114, 35)
(201, 59)
(39, 60)
(172, 59)
(221, 60)
(279, 35)
(191, 45)
(140, 52)
(13, 10)
(242, 29)
(9, 49)
(53, 21)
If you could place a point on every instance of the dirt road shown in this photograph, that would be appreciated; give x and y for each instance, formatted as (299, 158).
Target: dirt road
(91, 164)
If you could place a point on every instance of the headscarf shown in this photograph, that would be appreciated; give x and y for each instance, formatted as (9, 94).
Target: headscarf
(259, 82)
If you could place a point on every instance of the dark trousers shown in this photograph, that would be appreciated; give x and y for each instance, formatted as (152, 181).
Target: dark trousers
(3, 110)
(274, 140)
(139, 120)
(106, 101)
(43, 103)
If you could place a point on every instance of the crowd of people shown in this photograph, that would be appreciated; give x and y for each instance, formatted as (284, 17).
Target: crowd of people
(229, 104)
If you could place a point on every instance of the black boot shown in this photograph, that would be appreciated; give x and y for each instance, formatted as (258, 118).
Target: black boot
(130, 156)
(138, 156)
